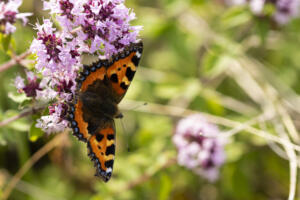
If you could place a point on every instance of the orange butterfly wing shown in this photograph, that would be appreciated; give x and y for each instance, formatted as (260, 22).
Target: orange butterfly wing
(122, 71)
(115, 75)
(101, 147)
(77, 122)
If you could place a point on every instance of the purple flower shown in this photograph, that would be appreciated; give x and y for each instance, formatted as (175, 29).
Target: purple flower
(99, 27)
(105, 24)
(19, 83)
(198, 145)
(47, 47)
(46, 94)
(9, 14)
(285, 10)
(54, 122)
(31, 87)
(58, 59)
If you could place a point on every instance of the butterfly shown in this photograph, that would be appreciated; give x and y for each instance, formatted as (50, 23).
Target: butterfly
(100, 88)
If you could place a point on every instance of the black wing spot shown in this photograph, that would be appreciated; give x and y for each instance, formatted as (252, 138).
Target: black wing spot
(124, 65)
(119, 69)
(109, 163)
(123, 85)
(108, 175)
(110, 136)
(99, 137)
(135, 60)
(110, 150)
(99, 147)
(130, 74)
(105, 63)
(114, 78)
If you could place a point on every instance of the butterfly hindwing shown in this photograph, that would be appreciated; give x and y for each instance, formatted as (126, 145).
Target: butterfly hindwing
(101, 147)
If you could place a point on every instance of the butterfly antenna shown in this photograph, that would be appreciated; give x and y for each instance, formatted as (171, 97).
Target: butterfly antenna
(126, 134)
(138, 106)
(123, 126)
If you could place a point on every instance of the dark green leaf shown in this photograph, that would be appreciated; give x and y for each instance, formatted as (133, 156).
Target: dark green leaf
(34, 132)
(5, 40)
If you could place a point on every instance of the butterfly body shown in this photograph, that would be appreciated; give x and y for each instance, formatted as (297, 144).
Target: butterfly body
(99, 101)
(100, 87)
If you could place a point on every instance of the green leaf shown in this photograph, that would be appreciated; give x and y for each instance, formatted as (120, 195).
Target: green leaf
(18, 98)
(35, 133)
(3, 141)
(18, 125)
(214, 63)
(236, 16)
(165, 187)
(25, 103)
(262, 29)
(269, 9)
(5, 40)
(214, 104)
(167, 91)
(235, 151)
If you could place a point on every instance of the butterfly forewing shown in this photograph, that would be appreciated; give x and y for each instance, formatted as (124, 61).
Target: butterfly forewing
(80, 131)
(122, 71)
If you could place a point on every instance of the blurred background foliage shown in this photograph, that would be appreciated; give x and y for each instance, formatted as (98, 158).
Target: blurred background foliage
(200, 55)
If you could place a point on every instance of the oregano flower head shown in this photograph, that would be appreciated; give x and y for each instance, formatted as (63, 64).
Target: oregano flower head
(9, 14)
(199, 147)
(98, 27)
(285, 10)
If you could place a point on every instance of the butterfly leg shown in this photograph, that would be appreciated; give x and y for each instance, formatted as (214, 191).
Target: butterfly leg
(120, 115)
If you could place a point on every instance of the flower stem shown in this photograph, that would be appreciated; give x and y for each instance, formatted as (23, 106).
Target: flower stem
(22, 114)
(13, 61)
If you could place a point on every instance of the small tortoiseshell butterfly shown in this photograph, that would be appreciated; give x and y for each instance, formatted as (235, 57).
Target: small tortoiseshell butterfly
(100, 87)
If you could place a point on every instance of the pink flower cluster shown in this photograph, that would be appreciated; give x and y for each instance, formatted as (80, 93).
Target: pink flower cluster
(31, 87)
(57, 59)
(199, 147)
(9, 14)
(285, 9)
(104, 24)
(98, 27)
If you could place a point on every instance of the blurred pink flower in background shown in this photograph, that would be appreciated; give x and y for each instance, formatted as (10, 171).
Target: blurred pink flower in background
(285, 10)
(199, 147)
(9, 14)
